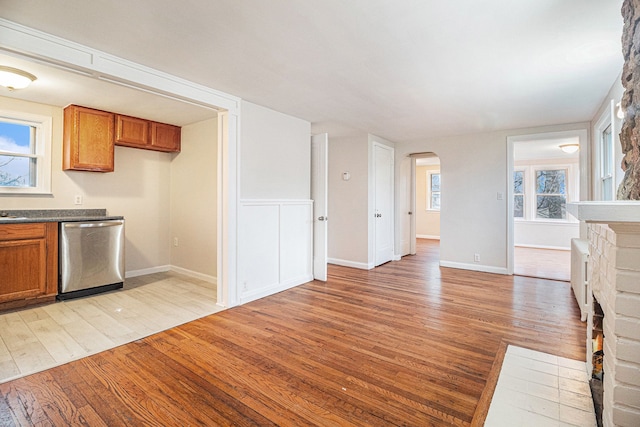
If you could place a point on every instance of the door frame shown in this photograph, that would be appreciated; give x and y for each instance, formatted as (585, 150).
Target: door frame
(585, 182)
(372, 202)
(320, 210)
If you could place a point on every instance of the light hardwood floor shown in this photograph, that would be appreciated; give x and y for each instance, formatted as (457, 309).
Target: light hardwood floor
(542, 263)
(407, 343)
(39, 338)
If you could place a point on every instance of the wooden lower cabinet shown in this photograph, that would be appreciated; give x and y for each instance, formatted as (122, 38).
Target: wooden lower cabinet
(28, 263)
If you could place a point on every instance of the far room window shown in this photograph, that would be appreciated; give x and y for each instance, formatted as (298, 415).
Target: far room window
(25, 142)
(434, 191)
(606, 167)
(551, 194)
(518, 194)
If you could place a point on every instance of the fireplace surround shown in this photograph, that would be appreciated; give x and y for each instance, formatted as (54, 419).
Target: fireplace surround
(613, 273)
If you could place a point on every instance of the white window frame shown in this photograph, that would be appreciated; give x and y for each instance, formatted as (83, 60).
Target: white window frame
(530, 182)
(42, 125)
(535, 194)
(429, 192)
(605, 121)
(524, 194)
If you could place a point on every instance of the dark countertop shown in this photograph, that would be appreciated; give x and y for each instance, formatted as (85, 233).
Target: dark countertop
(54, 215)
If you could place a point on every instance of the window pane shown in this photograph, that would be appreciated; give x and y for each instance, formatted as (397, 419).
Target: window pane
(435, 201)
(553, 207)
(518, 206)
(550, 182)
(518, 182)
(607, 151)
(435, 182)
(607, 191)
(16, 138)
(16, 171)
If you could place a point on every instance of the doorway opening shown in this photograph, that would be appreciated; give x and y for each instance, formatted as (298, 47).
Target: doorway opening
(544, 176)
(426, 202)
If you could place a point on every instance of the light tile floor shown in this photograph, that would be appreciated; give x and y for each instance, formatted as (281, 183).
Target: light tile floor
(35, 339)
(539, 389)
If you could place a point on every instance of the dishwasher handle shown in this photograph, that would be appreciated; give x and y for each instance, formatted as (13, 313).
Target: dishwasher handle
(96, 224)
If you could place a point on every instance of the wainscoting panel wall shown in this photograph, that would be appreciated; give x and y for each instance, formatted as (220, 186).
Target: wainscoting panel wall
(275, 244)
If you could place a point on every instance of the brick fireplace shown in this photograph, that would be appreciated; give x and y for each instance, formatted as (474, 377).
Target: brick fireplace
(613, 273)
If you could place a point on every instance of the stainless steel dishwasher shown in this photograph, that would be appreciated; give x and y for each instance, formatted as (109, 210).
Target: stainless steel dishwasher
(91, 257)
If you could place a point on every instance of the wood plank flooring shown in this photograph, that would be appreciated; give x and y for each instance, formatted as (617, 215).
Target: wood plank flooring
(551, 264)
(407, 343)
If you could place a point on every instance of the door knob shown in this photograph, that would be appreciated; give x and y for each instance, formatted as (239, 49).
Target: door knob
(322, 218)
(378, 215)
(410, 213)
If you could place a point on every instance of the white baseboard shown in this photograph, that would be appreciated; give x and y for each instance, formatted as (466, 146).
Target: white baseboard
(145, 271)
(555, 248)
(274, 289)
(165, 268)
(474, 267)
(347, 263)
(206, 277)
(427, 236)
(396, 257)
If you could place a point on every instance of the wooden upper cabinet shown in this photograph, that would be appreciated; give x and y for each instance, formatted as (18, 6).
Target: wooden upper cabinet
(165, 137)
(141, 133)
(131, 131)
(88, 139)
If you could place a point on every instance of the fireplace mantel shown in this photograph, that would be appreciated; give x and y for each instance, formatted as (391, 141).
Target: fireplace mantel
(606, 212)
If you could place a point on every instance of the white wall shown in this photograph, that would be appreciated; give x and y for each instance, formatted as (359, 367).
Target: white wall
(137, 190)
(275, 153)
(194, 201)
(474, 170)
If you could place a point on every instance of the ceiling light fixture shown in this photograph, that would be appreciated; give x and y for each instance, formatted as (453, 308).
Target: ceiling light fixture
(13, 78)
(570, 148)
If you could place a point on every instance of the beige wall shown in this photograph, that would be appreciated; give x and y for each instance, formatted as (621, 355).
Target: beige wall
(140, 189)
(348, 200)
(427, 222)
(194, 200)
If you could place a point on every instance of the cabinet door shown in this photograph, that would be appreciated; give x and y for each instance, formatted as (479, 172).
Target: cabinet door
(165, 137)
(132, 132)
(88, 139)
(24, 269)
(28, 263)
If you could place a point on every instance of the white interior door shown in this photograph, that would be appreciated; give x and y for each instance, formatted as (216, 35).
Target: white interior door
(383, 194)
(319, 162)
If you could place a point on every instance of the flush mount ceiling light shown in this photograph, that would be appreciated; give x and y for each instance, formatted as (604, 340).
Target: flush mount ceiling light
(13, 78)
(570, 148)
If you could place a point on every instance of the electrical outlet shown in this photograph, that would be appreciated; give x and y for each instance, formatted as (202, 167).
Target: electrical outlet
(476, 257)
(175, 241)
(77, 199)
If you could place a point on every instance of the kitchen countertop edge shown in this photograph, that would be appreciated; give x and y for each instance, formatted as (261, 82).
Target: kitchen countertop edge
(57, 215)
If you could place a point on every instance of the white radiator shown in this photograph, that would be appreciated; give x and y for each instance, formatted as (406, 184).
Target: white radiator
(579, 280)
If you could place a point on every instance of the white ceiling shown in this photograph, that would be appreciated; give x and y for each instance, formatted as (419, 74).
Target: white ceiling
(401, 69)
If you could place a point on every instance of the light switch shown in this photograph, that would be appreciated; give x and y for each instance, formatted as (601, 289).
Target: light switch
(500, 195)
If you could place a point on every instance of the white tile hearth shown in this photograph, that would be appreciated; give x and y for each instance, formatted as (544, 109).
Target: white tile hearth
(540, 389)
(35, 339)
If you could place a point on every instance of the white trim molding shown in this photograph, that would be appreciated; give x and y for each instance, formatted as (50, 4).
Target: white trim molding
(352, 264)
(474, 267)
(427, 236)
